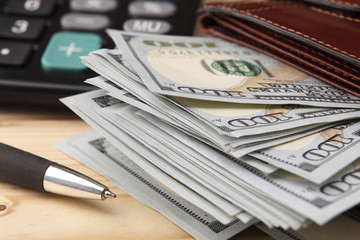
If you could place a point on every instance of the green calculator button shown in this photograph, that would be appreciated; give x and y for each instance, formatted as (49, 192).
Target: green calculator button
(65, 48)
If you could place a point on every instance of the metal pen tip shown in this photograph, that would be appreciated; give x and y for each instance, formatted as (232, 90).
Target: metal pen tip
(109, 194)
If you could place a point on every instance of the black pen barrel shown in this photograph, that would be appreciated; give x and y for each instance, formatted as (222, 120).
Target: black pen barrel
(22, 168)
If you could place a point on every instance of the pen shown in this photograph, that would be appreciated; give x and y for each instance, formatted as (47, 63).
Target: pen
(31, 171)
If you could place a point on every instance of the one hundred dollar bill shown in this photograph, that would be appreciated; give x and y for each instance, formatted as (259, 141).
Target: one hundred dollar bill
(89, 147)
(354, 166)
(318, 156)
(335, 229)
(87, 106)
(171, 157)
(237, 147)
(289, 199)
(237, 120)
(247, 148)
(234, 119)
(226, 143)
(116, 59)
(213, 69)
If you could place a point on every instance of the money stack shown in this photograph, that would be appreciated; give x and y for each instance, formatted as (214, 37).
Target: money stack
(237, 135)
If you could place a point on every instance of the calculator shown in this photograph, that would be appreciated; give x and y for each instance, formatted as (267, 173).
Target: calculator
(41, 41)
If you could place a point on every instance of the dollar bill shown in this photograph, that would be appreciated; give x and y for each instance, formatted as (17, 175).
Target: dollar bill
(245, 148)
(194, 106)
(282, 197)
(224, 142)
(260, 141)
(88, 111)
(269, 212)
(162, 106)
(193, 125)
(318, 202)
(173, 158)
(235, 119)
(112, 56)
(318, 156)
(193, 143)
(216, 70)
(335, 229)
(279, 233)
(182, 159)
(237, 147)
(159, 161)
(275, 173)
(249, 148)
(91, 146)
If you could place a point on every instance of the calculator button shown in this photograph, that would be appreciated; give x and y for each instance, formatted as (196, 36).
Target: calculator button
(30, 7)
(158, 9)
(84, 21)
(93, 5)
(147, 26)
(20, 28)
(15, 54)
(65, 48)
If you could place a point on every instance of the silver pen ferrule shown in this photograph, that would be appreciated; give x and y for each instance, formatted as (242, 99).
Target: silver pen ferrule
(65, 181)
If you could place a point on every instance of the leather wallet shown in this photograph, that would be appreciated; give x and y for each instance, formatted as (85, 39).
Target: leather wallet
(318, 37)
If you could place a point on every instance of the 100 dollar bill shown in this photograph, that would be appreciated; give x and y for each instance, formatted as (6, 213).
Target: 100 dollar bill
(318, 156)
(213, 69)
(238, 120)
(319, 203)
(231, 119)
(89, 147)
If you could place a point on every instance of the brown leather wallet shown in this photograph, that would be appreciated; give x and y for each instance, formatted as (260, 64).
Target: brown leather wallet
(322, 39)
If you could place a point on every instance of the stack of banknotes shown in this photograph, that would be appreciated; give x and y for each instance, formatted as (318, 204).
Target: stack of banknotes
(217, 136)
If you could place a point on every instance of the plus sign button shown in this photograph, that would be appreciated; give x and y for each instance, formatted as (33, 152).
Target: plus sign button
(65, 48)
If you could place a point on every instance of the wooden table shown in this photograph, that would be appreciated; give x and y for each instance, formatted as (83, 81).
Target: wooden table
(26, 214)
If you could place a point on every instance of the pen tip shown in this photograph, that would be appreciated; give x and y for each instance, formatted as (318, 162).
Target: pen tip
(109, 194)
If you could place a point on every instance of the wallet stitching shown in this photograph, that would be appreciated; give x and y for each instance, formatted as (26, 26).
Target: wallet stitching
(311, 59)
(214, 32)
(297, 32)
(345, 3)
(278, 25)
(335, 15)
(312, 51)
(322, 64)
(317, 53)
